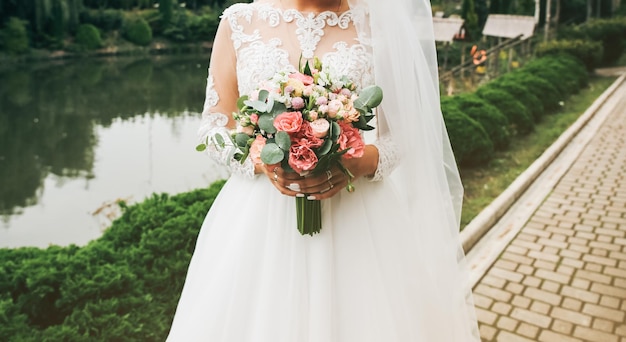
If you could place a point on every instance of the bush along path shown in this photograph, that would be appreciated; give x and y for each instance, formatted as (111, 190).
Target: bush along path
(121, 287)
(481, 122)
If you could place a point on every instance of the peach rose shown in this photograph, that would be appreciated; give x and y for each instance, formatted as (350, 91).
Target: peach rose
(320, 127)
(256, 148)
(289, 122)
(302, 158)
(352, 140)
(249, 130)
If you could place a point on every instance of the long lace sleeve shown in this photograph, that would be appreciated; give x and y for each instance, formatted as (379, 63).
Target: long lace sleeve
(388, 157)
(214, 124)
(221, 98)
(388, 153)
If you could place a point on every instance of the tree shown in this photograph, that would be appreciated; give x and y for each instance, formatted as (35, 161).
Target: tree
(166, 8)
(468, 12)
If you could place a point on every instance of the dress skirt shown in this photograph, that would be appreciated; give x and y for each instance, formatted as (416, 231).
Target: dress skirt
(367, 276)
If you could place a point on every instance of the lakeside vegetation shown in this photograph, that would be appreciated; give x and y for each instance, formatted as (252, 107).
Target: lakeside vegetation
(58, 28)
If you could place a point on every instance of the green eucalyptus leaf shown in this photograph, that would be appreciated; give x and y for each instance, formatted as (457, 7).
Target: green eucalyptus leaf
(201, 147)
(283, 140)
(263, 95)
(259, 106)
(369, 97)
(241, 139)
(272, 154)
(220, 140)
(241, 101)
(266, 123)
(278, 108)
(325, 148)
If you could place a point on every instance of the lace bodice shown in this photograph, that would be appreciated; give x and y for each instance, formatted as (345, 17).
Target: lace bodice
(268, 39)
(265, 39)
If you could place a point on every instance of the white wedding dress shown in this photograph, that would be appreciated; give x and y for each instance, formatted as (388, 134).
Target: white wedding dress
(253, 277)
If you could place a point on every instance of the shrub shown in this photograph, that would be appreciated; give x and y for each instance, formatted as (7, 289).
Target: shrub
(519, 116)
(545, 92)
(609, 32)
(488, 116)
(88, 36)
(589, 52)
(204, 27)
(549, 68)
(121, 287)
(521, 93)
(13, 38)
(137, 31)
(470, 143)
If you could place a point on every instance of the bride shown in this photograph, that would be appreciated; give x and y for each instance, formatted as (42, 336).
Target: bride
(387, 264)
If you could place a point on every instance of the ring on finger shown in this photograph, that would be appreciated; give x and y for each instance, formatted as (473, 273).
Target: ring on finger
(330, 186)
(275, 174)
(329, 175)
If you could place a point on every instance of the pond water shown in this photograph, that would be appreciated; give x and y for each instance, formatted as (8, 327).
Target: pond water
(77, 136)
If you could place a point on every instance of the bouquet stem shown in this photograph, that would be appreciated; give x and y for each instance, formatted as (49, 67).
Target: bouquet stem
(309, 215)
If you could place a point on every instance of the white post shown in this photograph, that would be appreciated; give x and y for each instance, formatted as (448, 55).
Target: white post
(547, 25)
(537, 11)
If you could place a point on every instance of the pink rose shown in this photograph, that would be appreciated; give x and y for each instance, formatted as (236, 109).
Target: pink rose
(345, 92)
(305, 79)
(302, 158)
(351, 139)
(322, 100)
(289, 122)
(254, 118)
(320, 127)
(306, 137)
(256, 148)
(333, 107)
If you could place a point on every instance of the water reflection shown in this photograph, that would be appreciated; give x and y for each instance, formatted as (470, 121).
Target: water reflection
(75, 135)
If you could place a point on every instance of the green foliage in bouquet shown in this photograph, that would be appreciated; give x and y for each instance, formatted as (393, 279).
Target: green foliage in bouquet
(121, 287)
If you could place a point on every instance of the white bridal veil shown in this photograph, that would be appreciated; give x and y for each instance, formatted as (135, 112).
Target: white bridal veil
(405, 65)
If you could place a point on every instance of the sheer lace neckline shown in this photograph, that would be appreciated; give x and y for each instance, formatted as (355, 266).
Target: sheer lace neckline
(314, 14)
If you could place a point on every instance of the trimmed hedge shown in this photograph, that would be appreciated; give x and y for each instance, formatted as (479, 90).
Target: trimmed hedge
(542, 89)
(589, 52)
(521, 93)
(470, 142)
(609, 32)
(519, 116)
(121, 287)
(492, 120)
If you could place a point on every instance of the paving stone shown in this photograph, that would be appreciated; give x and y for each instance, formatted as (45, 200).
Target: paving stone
(571, 316)
(594, 335)
(610, 302)
(562, 327)
(493, 293)
(608, 290)
(586, 296)
(530, 317)
(487, 333)
(527, 330)
(486, 317)
(505, 336)
(603, 325)
(550, 336)
(603, 312)
(507, 323)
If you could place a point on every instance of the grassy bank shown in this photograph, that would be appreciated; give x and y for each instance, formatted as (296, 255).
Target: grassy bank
(483, 184)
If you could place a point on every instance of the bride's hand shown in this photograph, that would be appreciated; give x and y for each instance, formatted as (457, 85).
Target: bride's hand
(318, 186)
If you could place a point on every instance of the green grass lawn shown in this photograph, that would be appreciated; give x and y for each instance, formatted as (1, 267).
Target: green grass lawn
(483, 184)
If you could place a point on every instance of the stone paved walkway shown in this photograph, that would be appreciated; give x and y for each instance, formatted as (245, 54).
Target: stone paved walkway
(563, 277)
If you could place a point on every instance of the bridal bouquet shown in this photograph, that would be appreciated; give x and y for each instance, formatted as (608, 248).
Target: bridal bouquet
(307, 121)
